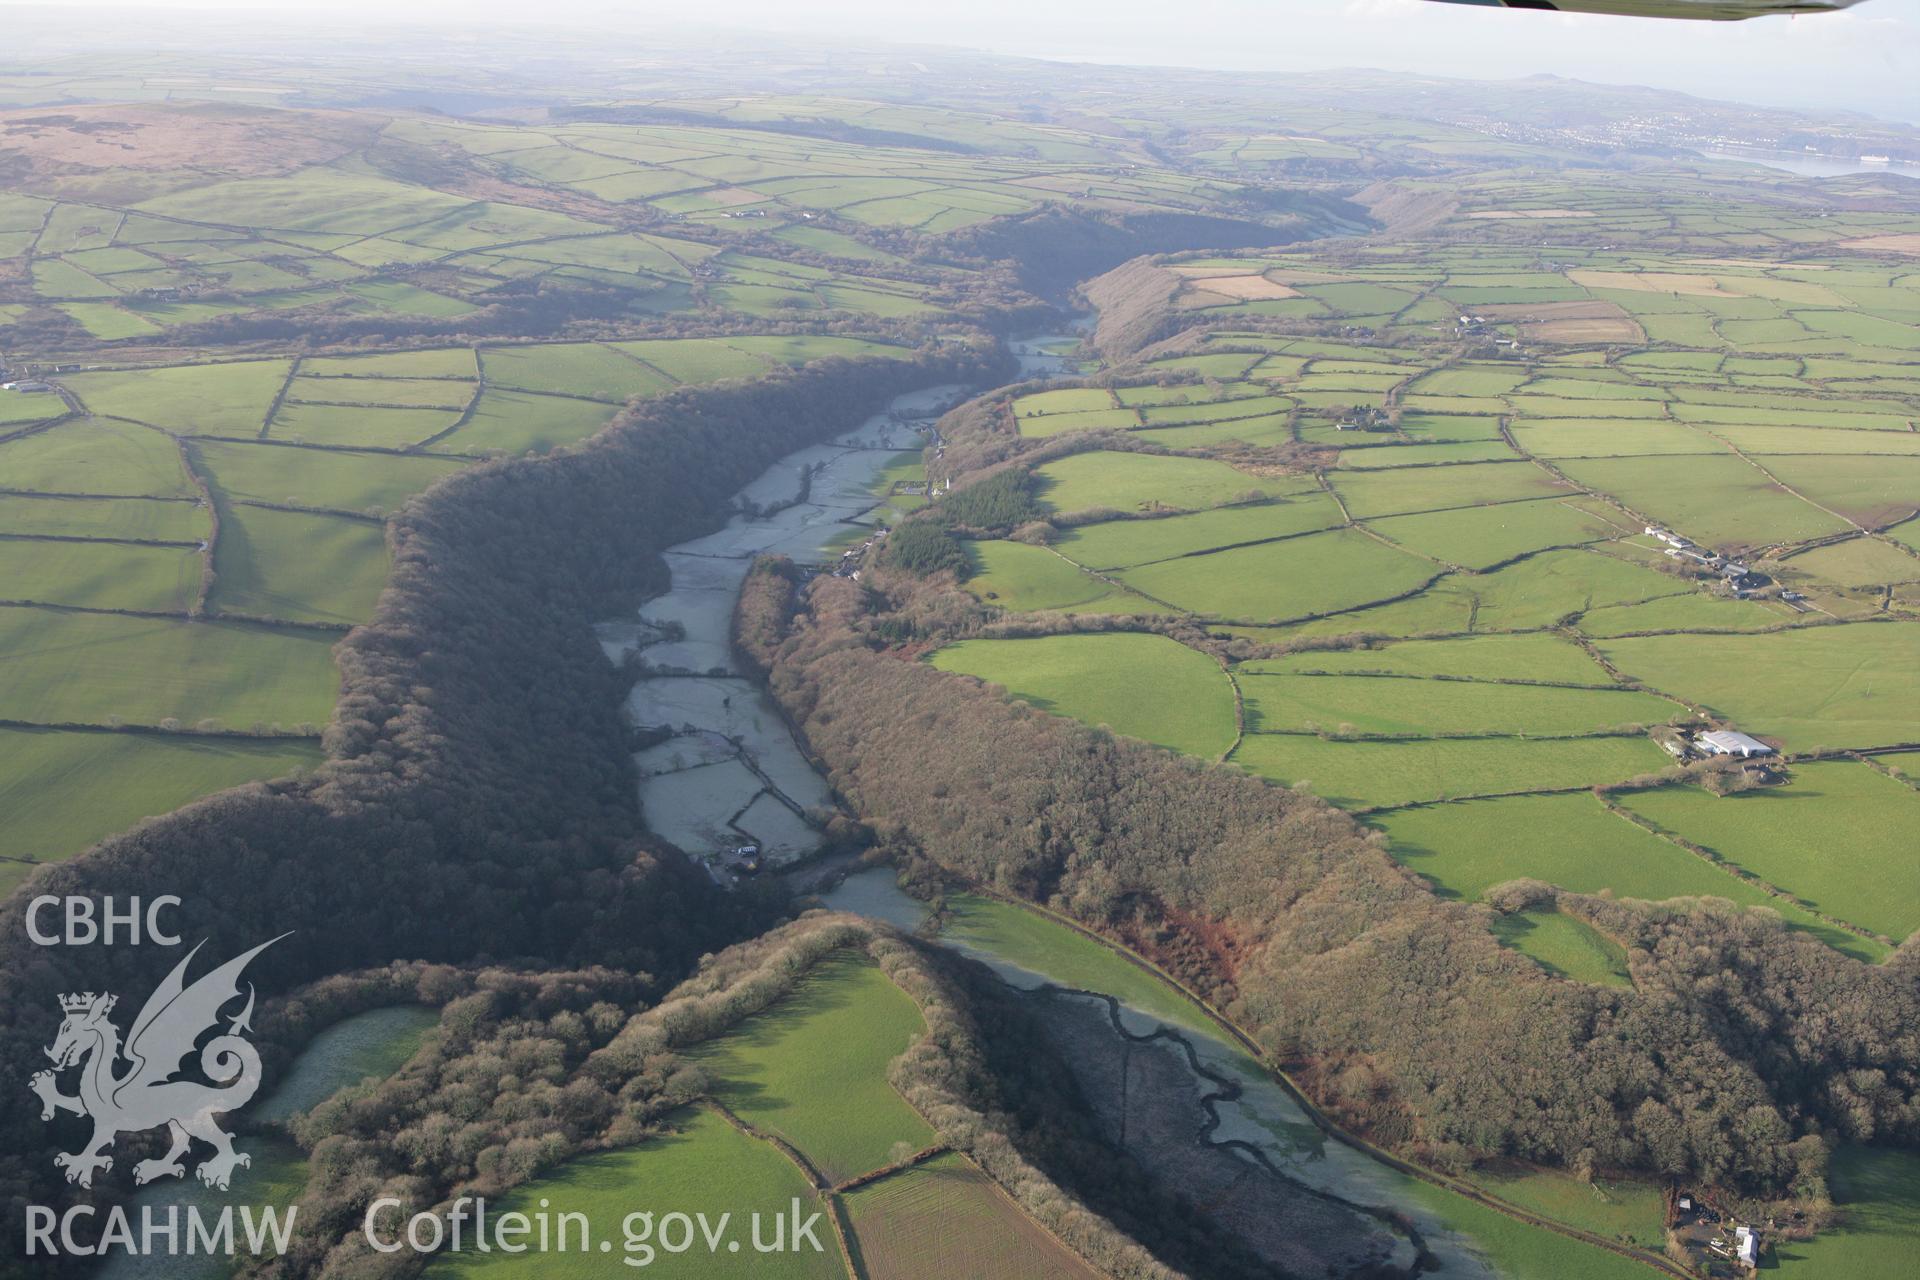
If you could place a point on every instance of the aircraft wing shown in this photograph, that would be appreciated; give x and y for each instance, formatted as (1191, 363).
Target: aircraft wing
(1711, 10)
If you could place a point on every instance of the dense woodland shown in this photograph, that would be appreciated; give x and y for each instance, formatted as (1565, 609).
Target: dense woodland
(1741, 1048)
(478, 802)
(583, 1060)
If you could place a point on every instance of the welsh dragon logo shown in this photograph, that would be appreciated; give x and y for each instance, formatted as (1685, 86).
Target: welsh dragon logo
(145, 1095)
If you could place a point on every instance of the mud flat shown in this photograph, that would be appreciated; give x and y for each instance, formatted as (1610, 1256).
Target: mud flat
(1196, 1108)
(726, 773)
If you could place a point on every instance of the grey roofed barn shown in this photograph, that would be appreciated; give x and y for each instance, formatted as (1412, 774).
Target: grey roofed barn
(1727, 742)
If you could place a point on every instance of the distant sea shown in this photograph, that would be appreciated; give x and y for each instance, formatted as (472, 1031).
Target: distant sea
(1812, 166)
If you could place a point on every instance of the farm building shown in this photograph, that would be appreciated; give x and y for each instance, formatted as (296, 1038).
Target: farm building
(1727, 742)
(1746, 1247)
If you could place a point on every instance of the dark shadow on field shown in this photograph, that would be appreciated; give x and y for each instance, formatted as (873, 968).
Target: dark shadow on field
(725, 1057)
(1410, 855)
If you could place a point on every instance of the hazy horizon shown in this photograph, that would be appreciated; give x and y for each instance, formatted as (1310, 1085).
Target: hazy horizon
(1867, 59)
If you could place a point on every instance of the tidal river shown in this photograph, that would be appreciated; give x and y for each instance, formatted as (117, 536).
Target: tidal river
(726, 782)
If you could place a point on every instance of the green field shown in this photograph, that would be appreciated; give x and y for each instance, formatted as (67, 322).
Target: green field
(513, 422)
(1844, 686)
(580, 369)
(704, 1165)
(1520, 1251)
(1142, 686)
(1571, 841)
(1839, 836)
(51, 806)
(1566, 947)
(1373, 774)
(1530, 656)
(1879, 1192)
(1028, 579)
(29, 516)
(77, 668)
(100, 575)
(1631, 1212)
(1407, 489)
(333, 480)
(111, 459)
(946, 1218)
(1416, 707)
(300, 567)
(1295, 578)
(358, 426)
(1142, 482)
(1482, 537)
(813, 1068)
(1117, 544)
(211, 399)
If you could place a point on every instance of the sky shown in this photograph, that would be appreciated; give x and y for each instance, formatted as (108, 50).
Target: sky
(1867, 59)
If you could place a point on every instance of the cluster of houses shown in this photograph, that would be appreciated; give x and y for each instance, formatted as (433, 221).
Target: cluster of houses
(1366, 418)
(1739, 579)
(1472, 326)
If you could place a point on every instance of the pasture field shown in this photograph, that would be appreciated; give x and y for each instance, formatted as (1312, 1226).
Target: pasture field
(1838, 836)
(1835, 686)
(88, 668)
(1692, 612)
(514, 422)
(587, 369)
(945, 1217)
(1141, 482)
(1391, 706)
(28, 515)
(1482, 537)
(1030, 579)
(702, 1165)
(1572, 841)
(21, 410)
(1566, 947)
(1142, 686)
(1878, 1191)
(296, 566)
(1630, 1212)
(813, 1068)
(1718, 501)
(1383, 492)
(94, 457)
(441, 362)
(55, 808)
(357, 426)
(99, 575)
(1295, 578)
(1366, 775)
(1271, 429)
(1120, 544)
(1529, 656)
(1520, 1251)
(230, 399)
(323, 479)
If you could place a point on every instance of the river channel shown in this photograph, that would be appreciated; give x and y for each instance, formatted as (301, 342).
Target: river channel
(726, 782)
